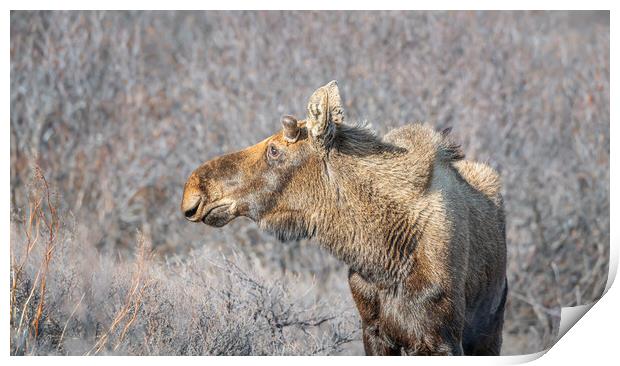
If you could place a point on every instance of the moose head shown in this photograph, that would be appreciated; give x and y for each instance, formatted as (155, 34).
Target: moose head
(270, 182)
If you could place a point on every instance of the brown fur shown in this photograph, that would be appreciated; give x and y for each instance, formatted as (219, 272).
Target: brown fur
(421, 229)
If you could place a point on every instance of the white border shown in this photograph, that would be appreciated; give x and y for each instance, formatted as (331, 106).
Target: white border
(314, 4)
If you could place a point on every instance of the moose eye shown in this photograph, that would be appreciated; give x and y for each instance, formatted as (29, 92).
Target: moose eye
(273, 152)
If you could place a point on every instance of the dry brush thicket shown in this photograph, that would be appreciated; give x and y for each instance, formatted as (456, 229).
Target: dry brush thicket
(117, 108)
(67, 298)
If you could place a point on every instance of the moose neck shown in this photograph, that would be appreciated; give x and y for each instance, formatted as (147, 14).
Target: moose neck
(366, 196)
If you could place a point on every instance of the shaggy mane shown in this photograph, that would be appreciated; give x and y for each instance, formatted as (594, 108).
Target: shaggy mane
(361, 140)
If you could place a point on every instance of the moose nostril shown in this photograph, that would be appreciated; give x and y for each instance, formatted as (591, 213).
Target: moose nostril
(192, 211)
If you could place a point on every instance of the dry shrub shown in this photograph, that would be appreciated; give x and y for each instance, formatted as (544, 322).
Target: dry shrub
(68, 299)
(40, 223)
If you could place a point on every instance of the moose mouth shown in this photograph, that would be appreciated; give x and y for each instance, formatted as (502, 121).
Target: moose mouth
(218, 215)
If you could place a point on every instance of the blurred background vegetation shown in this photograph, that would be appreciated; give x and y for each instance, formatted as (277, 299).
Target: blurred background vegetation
(117, 108)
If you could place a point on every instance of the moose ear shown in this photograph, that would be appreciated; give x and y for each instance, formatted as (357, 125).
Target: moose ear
(324, 111)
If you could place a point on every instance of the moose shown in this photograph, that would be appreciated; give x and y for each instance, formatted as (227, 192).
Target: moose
(421, 229)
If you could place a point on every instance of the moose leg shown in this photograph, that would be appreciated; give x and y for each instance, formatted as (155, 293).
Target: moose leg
(436, 335)
(367, 302)
(489, 338)
(432, 346)
(375, 345)
(489, 342)
(431, 322)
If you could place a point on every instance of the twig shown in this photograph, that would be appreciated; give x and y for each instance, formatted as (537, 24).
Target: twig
(134, 316)
(131, 300)
(67, 322)
(544, 309)
(52, 227)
